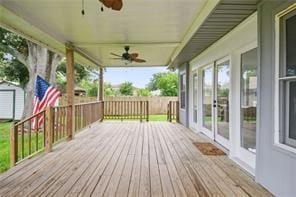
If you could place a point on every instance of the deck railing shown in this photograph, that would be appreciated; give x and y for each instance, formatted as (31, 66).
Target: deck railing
(126, 110)
(28, 138)
(173, 111)
(87, 113)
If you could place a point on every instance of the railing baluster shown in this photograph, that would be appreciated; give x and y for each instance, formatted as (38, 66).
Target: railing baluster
(13, 144)
(29, 137)
(22, 141)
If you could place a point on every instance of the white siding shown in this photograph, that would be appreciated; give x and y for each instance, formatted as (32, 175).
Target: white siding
(19, 100)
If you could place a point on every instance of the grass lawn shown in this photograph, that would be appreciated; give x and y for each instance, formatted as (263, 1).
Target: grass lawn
(4, 146)
(158, 117)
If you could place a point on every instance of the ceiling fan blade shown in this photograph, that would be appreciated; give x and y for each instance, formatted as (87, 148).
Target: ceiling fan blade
(139, 60)
(116, 55)
(133, 55)
(115, 58)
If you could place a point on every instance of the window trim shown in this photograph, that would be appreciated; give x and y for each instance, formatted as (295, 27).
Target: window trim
(278, 78)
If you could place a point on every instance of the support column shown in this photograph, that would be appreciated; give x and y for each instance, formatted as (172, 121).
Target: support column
(101, 85)
(70, 92)
(101, 91)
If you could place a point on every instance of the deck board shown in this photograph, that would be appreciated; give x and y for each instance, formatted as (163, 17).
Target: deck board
(129, 159)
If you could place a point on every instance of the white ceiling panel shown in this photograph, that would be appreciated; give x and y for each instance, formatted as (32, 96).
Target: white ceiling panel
(153, 28)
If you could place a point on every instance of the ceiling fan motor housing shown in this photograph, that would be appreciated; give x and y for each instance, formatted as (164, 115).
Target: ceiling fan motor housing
(125, 56)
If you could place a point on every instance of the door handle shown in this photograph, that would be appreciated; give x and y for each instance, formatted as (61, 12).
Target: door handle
(214, 105)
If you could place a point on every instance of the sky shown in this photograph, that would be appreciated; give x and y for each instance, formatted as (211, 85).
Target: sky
(140, 77)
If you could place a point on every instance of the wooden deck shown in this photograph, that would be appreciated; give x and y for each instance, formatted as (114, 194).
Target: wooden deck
(129, 159)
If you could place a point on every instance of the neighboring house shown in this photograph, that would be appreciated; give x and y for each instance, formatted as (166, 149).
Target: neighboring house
(12, 99)
(241, 92)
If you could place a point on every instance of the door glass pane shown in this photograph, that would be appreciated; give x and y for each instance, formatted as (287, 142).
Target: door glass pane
(195, 98)
(223, 81)
(291, 46)
(249, 99)
(207, 97)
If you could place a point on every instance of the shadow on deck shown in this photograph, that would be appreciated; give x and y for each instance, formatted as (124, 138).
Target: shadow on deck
(129, 159)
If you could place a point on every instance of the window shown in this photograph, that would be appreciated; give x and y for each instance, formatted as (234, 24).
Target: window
(249, 99)
(195, 97)
(183, 90)
(287, 79)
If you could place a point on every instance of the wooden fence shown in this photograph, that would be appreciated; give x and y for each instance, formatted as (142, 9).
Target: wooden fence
(157, 104)
(127, 110)
(173, 111)
(27, 138)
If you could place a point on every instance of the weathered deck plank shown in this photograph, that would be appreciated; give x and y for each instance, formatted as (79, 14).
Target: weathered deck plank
(129, 159)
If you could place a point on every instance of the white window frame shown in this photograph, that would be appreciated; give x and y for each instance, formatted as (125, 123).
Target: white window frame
(277, 115)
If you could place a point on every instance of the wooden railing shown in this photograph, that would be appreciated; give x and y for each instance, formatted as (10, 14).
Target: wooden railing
(87, 113)
(28, 139)
(126, 110)
(173, 111)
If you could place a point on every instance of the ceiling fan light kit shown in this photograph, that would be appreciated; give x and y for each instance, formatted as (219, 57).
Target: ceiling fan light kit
(127, 57)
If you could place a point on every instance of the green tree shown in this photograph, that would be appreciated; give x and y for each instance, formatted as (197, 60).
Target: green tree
(109, 91)
(166, 82)
(81, 72)
(24, 60)
(91, 87)
(126, 89)
(143, 92)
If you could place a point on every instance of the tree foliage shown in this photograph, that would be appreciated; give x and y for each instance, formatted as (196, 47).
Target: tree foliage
(22, 60)
(143, 92)
(109, 91)
(166, 82)
(80, 71)
(126, 89)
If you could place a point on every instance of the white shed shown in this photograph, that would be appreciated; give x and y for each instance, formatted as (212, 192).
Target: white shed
(12, 100)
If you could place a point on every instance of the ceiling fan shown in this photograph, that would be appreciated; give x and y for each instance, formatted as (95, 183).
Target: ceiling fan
(128, 57)
(114, 4)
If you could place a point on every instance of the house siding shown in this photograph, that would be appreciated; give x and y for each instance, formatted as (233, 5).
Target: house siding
(275, 168)
(183, 112)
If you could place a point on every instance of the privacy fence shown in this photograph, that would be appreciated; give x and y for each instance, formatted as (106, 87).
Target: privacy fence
(157, 104)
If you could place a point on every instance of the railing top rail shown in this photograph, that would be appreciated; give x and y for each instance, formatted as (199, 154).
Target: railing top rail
(127, 101)
(96, 102)
(30, 117)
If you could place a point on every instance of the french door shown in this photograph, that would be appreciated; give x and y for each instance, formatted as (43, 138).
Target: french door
(215, 101)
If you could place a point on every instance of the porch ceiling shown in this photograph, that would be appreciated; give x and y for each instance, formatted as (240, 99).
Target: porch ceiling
(164, 32)
(152, 28)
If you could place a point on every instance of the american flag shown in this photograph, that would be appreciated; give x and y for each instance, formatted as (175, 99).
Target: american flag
(45, 95)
